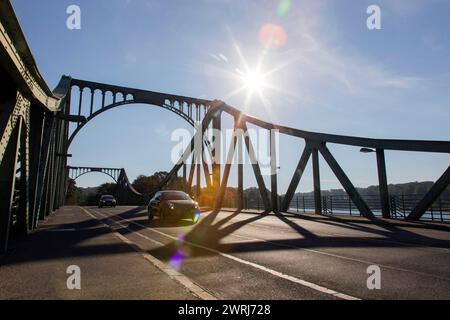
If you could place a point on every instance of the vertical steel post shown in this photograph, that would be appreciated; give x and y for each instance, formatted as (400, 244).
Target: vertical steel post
(382, 183)
(91, 110)
(240, 191)
(80, 104)
(316, 178)
(198, 169)
(103, 99)
(274, 171)
(184, 172)
(217, 148)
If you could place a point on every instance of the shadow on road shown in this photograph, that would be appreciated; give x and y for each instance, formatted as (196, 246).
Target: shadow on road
(49, 243)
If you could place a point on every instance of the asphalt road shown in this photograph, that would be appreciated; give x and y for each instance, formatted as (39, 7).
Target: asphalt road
(230, 255)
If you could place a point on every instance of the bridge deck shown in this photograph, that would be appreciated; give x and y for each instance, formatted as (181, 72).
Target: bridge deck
(229, 256)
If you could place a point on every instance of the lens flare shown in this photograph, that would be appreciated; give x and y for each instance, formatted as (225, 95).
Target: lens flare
(272, 36)
(177, 259)
(283, 7)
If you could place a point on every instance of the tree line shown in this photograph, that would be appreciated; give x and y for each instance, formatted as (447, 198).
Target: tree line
(147, 185)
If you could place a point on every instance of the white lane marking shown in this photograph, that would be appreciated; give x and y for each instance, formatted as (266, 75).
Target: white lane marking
(171, 272)
(346, 258)
(366, 262)
(429, 275)
(252, 264)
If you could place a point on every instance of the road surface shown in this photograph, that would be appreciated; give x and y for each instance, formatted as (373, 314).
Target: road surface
(227, 255)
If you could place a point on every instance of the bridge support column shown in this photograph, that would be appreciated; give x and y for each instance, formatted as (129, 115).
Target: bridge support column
(316, 178)
(198, 187)
(191, 173)
(217, 148)
(274, 170)
(240, 190)
(382, 183)
(185, 176)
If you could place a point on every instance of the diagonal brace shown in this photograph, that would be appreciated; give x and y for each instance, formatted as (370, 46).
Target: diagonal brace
(346, 183)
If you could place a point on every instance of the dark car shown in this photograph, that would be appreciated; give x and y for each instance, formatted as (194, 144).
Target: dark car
(107, 201)
(173, 205)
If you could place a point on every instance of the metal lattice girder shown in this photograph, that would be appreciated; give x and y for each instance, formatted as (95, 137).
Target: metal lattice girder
(18, 60)
(7, 184)
(346, 183)
(9, 117)
(15, 130)
(23, 183)
(436, 190)
(37, 134)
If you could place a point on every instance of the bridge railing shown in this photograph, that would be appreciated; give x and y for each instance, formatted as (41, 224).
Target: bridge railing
(342, 205)
(401, 205)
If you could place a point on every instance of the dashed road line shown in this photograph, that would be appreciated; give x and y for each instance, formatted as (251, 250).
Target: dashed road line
(171, 272)
(302, 282)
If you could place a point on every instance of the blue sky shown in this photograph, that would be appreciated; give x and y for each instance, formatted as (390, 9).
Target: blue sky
(333, 75)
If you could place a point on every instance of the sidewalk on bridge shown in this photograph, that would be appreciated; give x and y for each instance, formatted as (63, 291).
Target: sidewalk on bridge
(36, 266)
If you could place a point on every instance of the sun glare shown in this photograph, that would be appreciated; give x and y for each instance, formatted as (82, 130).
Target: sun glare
(253, 81)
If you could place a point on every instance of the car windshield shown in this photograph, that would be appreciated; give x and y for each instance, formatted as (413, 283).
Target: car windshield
(107, 197)
(174, 195)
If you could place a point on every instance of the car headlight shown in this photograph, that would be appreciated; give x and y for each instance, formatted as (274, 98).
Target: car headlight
(171, 206)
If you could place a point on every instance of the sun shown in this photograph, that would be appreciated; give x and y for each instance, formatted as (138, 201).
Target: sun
(253, 81)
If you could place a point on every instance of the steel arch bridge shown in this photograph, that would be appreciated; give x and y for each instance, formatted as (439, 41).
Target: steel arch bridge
(34, 128)
(76, 172)
(119, 175)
